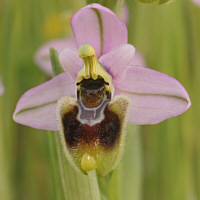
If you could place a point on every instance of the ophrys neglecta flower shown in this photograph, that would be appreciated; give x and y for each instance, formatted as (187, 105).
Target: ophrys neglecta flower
(89, 103)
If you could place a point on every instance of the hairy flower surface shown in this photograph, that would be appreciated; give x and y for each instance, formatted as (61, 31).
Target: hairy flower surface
(96, 92)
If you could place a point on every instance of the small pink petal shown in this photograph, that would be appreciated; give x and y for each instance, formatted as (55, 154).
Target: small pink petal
(138, 60)
(42, 58)
(117, 61)
(37, 107)
(99, 27)
(197, 2)
(1, 88)
(154, 96)
(71, 62)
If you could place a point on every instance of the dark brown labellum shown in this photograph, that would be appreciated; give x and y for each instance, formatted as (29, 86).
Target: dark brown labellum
(105, 133)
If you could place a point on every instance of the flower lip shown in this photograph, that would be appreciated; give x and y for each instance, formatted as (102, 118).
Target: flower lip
(93, 146)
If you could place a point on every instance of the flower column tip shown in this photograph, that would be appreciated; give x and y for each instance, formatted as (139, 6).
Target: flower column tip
(88, 54)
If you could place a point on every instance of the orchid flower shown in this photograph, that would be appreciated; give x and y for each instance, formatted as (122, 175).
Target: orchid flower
(1, 88)
(42, 58)
(100, 91)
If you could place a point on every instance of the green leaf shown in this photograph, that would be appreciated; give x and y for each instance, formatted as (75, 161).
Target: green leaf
(57, 67)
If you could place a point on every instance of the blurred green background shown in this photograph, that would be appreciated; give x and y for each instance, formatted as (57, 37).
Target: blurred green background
(161, 162)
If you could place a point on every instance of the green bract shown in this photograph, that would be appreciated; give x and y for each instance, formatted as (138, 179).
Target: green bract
(57, 67)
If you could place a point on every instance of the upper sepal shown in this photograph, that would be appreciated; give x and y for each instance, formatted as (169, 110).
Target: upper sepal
(97, 26)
